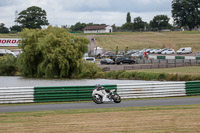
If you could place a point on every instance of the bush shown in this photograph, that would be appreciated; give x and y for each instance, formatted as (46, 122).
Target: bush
(113, 74)
(89, 70)
(7, 65)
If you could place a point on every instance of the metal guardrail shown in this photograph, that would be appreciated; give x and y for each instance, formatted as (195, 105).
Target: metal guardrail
(150, 90)
(65, 93)
(16, 95)
(84, 93)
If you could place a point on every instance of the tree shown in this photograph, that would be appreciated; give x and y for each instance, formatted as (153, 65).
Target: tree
(128, 26)
(138, 24)
(160, 22)
(33, 17)
(51, 53)
(3, 29)
(16, 28)
(128, 18)
(78, 26)
(186, 13)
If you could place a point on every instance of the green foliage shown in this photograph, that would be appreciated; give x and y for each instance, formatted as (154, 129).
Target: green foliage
(113, 74)
(33, 17)
(3, 29)
(138, 24)
(128, 18)
(16, 28)
(78, 27)
(7, 65)
(160, 22)
(90, 70)
(186, 13)
(128, 27)
(133, 75)
(51, 53)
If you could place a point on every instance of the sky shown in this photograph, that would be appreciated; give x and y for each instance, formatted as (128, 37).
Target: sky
(69, 12)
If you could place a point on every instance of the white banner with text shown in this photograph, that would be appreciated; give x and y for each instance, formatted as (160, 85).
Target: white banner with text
(9, 42)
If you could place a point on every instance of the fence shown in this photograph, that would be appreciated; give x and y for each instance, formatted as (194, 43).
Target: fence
(162, 63)
(84, 93)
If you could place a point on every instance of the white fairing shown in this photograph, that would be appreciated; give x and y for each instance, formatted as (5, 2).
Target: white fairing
(102, 93)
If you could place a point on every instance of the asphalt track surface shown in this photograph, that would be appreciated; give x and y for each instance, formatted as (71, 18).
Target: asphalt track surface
(91, 105)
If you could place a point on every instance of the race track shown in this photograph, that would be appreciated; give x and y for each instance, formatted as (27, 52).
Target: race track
(91, 105)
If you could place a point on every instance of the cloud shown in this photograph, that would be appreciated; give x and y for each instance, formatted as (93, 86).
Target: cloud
(68, 12)
(117, 5)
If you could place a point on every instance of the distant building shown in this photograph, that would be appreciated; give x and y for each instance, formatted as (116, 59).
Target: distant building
(98, 29)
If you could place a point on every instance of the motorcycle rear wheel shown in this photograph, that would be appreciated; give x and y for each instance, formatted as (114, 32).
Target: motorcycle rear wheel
(116, 98)
(97, 99)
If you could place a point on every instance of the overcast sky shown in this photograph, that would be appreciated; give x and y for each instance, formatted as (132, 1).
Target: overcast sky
(68, 12)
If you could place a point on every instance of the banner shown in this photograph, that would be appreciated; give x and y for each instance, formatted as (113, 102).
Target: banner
(9, 42)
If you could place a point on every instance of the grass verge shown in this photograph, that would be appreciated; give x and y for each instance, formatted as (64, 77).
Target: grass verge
(185, 118)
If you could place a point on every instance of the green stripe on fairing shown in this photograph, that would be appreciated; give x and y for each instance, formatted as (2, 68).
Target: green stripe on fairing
(65, 93)
(192, 88)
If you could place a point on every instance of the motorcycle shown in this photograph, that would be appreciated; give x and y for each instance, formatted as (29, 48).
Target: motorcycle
(100, 95)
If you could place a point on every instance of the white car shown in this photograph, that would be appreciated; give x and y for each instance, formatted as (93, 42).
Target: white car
(168, 51)
(154, 51)
(89, 59)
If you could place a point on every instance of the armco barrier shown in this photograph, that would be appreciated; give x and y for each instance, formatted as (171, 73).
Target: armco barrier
(16, 94)
(192, 88)
(79, 93)
(149, 90)
(65, 93)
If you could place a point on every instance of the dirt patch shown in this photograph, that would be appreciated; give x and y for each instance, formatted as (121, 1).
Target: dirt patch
(178, 120)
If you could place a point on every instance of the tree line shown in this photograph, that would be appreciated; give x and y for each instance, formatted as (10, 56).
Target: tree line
(186, 13)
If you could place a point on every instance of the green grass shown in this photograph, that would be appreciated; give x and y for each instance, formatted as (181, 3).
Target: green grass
(140, 40)
(78, 111)
(181, 118)
(9, 36)
(193, 70)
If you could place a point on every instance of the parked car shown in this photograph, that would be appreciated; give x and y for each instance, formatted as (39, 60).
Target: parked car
(89, 59)
(153, 51)
(148, 50)
(163, 50)
(186, 50)
(107, 61)
(168, 51)
(139, 54)
(158, 51)
(107, 54)
(131, 52)
(122, 60)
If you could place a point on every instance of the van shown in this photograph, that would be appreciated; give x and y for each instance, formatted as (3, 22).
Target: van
(186, 50)
(6, 51)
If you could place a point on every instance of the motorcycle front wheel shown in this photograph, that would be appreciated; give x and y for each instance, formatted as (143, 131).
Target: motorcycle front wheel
(97, 99)
(116, 98)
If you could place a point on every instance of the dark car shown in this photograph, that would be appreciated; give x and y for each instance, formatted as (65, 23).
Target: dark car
(107, 61)
(122, 60)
